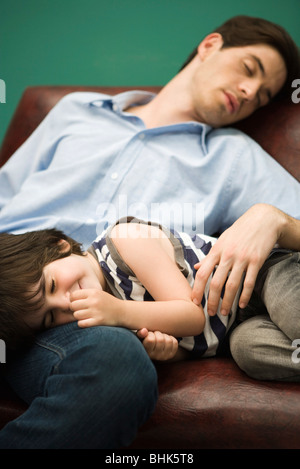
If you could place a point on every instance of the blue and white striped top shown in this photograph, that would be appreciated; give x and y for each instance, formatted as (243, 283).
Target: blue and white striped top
(188, 251)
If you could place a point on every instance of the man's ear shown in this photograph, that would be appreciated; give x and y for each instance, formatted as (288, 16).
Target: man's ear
(64, 245)
(210, 43)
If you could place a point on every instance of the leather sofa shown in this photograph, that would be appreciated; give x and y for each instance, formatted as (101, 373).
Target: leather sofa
(210, 403)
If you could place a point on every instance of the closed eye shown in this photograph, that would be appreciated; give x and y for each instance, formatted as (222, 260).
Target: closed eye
(52, 289)
(49, 319)
(248, 70)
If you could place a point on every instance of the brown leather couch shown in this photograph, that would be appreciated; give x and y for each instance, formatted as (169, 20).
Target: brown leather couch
(208, 403)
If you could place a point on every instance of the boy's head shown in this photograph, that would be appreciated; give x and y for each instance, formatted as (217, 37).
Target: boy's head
(22, 259)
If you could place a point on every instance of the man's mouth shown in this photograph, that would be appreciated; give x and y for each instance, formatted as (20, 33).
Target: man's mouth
(232, 104)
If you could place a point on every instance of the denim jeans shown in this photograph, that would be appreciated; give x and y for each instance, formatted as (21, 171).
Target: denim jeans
(265, 342)
(87, 388)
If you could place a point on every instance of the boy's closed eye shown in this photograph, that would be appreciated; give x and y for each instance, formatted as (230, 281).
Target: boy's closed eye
(52, 288)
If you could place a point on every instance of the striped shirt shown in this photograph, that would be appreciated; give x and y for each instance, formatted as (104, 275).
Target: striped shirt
(188, 250)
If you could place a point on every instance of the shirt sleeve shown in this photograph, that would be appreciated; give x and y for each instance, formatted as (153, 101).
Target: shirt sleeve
(256, 177)
(38, 150)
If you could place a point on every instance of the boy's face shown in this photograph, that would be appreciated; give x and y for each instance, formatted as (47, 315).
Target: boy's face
(62, 277)
(230, 84)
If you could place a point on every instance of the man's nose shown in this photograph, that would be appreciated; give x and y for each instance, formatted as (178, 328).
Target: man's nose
(249, 89)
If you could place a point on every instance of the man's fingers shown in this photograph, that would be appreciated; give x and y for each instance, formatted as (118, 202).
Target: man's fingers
(202, 276)
(216, 290)
(248, 285)
(224, 286)
(230, 289)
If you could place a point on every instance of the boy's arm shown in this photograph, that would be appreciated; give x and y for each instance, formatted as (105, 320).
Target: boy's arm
(150, 255)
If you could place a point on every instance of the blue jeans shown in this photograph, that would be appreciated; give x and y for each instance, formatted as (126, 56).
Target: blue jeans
(87, 388)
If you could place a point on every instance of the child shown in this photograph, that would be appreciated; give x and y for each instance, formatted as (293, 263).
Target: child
(47, 280)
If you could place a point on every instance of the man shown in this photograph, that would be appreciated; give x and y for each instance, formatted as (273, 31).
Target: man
(96, 157)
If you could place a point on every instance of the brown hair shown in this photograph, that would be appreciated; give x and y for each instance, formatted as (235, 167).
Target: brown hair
(22, 259)
(241, 31)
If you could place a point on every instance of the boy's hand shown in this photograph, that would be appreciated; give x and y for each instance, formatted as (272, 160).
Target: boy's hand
(158, 346)
(93, 307)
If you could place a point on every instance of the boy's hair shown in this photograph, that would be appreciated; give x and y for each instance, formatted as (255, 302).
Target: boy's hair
(241, 31)
(22, 259)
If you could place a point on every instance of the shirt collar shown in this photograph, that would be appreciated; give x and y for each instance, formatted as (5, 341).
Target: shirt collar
(127, 99)
(124, 100)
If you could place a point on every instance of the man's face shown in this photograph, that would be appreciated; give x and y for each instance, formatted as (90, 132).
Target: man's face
(230, 84)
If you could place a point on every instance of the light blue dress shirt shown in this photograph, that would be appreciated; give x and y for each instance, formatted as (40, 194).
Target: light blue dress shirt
(90, 163)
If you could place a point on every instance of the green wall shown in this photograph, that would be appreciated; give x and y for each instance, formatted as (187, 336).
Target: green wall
(113, 42)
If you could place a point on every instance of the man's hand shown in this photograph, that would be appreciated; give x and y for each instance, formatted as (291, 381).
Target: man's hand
(241, 250)
(158, 346)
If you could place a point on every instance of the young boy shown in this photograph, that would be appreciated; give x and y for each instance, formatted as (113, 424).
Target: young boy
(46, 280)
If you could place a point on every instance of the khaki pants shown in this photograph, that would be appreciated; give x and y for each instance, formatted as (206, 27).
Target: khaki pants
(266, 342)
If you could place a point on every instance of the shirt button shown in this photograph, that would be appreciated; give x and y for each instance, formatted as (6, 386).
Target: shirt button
(114, 175)
(141, 136)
